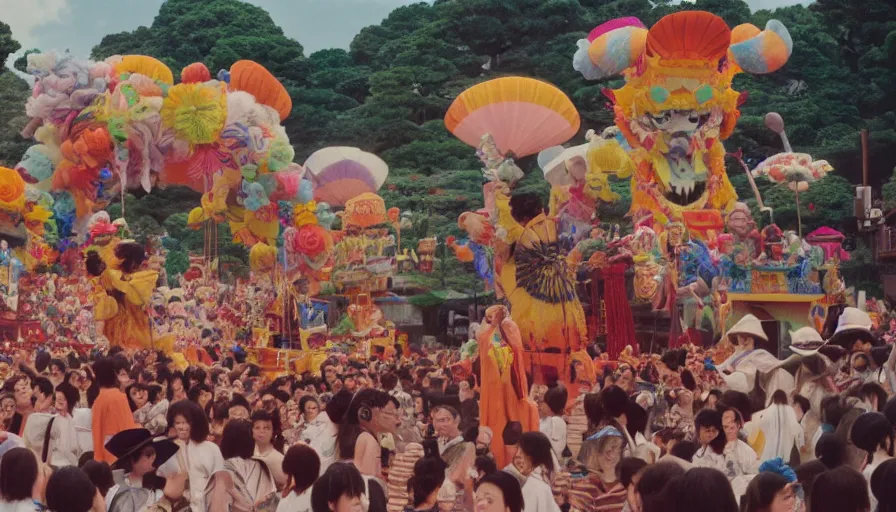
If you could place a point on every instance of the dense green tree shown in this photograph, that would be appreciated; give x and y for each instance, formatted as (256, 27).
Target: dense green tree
(8, 45)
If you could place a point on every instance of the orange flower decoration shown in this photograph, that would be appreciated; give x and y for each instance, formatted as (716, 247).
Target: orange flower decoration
(12, 191)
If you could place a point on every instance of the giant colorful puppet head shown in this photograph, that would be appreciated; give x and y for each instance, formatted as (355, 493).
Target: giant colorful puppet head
(677, 102)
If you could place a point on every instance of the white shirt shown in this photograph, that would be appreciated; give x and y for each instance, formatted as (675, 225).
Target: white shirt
(707, 458)
(320, 434)
(200, 461)
(740, 459)
(537, 494)
(296, 502)
(869, 470)
(555, 429)
(274, 461)
(18, 506)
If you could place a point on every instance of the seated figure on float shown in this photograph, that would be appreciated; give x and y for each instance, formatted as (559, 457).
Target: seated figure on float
(751, 369)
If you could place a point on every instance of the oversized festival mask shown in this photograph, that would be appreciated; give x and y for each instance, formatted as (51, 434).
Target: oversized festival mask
(677, 102)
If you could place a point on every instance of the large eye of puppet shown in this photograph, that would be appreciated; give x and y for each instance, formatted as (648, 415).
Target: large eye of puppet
(662, 118)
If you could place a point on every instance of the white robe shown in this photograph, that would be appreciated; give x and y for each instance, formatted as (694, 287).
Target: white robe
(200, 461)
(757, 367)
(555, 429)
(537, 494)
(320, 434)
(782, 432)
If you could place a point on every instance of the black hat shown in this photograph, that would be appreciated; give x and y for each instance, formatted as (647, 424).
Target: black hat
(131, 441)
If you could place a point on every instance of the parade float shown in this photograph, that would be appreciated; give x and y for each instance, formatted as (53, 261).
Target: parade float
(692, 251)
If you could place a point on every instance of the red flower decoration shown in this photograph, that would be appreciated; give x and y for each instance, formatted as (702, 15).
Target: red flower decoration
(313, 240)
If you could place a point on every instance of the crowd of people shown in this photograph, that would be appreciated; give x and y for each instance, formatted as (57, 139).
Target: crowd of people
(122, 430)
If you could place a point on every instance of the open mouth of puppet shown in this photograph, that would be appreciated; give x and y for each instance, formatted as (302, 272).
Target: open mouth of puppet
(686, 192)
(27, 178)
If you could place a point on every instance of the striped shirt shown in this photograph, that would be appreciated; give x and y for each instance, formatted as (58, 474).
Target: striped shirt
(591, 494)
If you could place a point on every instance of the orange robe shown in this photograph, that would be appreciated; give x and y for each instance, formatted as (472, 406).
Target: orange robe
(500, 400)
(111, 415)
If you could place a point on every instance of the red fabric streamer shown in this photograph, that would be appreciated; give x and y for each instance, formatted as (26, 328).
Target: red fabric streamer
(620, 325)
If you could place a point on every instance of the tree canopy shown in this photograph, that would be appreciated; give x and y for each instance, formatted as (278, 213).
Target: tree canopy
(389, 91)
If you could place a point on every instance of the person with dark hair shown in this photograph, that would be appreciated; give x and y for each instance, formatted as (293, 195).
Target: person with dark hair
(201, 394)
(198, 458)
(498, 492)
(769, 492)
(831, 450)
(371, 412)
(874, 395)
(43, 395)
(100, 475)
(636, 425)
(265, 451)
(60, 437)
(552, 424)
(806, 475)
(700, 489)
(740, 459)
(446, 421)
(534, 460)
(711, 440)
(841, 489)
(56, 371)
(783, 433)
(111, 411)
(648, 491)
(70, 490)
(178, 385)
(873, 433)
(484, 465)
(425, 483)
(318, 430)
(245, 483)
(18, 475)
(239, 408)
(339, 489)
(301, 465)
(139, 454)
(151, 409)
(630, 470)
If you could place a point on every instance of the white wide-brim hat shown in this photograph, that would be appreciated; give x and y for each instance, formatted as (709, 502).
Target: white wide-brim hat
(806, 341)
(749, 325)
(853, 322)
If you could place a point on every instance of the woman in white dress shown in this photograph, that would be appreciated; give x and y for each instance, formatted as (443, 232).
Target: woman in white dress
(198, 458)
(535, 462)
(552, 424)
(245, 484)
(318, 432)
(710, 439)
(302, 467)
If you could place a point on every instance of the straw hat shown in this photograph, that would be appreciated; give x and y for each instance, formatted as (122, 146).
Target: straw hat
(749, 325)
(853, 325)
(806, 341)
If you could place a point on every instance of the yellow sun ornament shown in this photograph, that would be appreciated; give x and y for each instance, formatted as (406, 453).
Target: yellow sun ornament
(196, 112)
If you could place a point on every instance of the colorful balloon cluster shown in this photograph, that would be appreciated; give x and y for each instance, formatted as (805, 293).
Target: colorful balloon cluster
(107, 127)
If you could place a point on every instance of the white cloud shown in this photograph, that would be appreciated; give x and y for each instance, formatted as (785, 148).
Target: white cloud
(24, 20)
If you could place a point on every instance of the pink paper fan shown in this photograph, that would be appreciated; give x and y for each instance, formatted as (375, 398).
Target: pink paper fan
(603, 28)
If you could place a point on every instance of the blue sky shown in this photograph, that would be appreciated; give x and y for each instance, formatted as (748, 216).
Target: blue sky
(78, 25)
